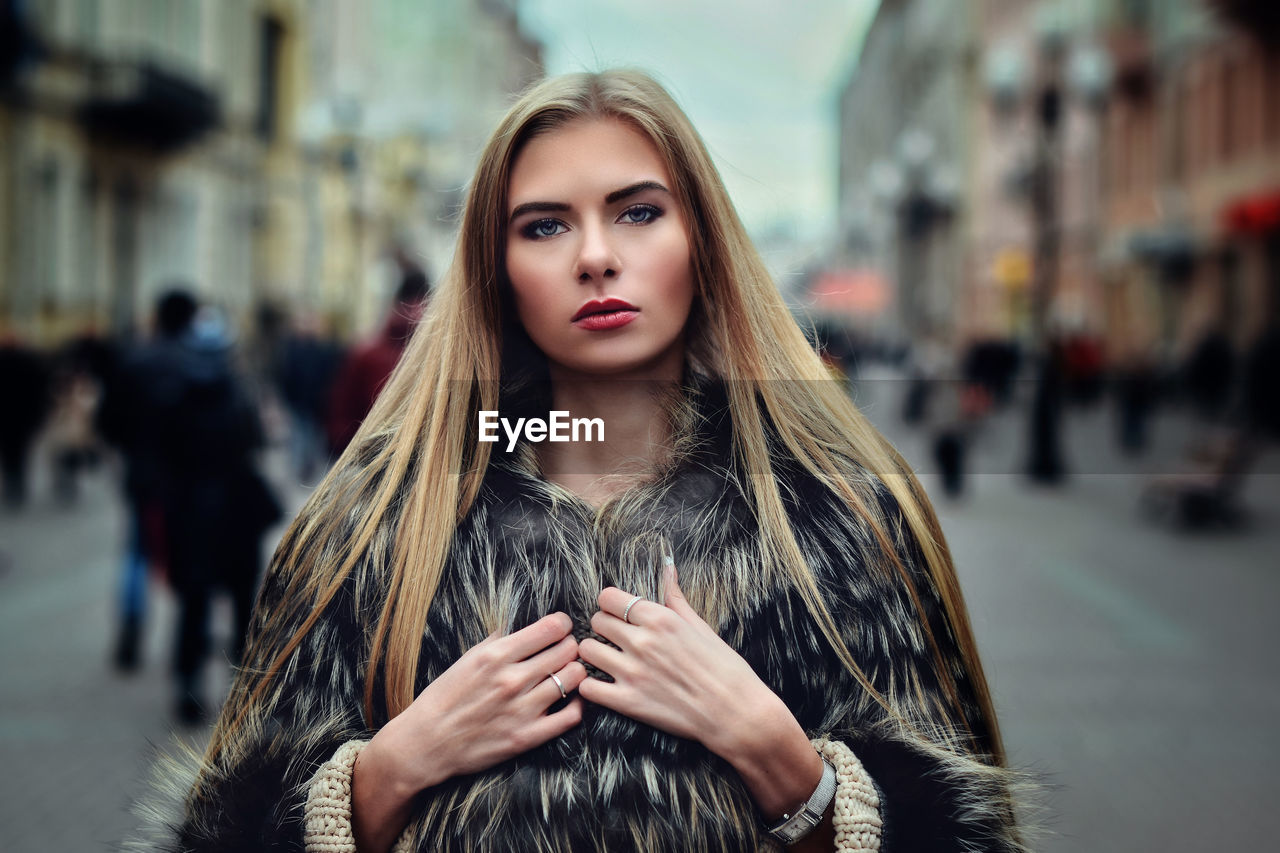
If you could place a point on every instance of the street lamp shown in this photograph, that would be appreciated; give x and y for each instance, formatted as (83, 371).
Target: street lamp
(924, 195)
(1088, 78)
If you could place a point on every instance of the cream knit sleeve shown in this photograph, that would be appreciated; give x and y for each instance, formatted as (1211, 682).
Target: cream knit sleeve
(856, 811)
(327, 816)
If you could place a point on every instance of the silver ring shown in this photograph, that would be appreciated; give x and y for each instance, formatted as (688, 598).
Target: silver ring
(559, 684)
(627, 611)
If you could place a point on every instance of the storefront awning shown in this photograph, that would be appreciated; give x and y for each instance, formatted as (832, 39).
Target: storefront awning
(1253, 215)
(1171, 251)
(852, 292)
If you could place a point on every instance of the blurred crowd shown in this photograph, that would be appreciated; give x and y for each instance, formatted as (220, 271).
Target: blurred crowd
(180, 415)
(1224, 400)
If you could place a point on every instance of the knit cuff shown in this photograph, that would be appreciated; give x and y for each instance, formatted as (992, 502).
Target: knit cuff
(856, 810)
(327, 816)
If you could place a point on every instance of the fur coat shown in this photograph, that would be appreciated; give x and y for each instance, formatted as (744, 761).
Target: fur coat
(527, 548)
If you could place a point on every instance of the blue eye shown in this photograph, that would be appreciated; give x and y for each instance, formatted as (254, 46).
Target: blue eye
(640, 214)
(541, 229)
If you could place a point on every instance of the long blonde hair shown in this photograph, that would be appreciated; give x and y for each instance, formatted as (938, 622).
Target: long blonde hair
(414, 469)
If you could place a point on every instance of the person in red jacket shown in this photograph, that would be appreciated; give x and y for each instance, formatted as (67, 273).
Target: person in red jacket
(367, 366)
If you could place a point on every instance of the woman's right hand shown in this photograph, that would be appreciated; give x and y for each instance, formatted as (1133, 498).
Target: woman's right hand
(492, 703)
(489, 706)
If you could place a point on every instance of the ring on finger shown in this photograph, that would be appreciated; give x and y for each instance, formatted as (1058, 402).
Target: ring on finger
(559, 684)
(627, 611)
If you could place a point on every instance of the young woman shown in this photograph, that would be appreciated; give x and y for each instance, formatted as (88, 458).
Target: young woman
(729, 622)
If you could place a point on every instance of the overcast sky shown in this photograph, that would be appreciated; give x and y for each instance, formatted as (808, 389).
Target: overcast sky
(758, 80)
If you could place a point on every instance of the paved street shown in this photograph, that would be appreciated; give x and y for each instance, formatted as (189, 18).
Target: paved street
(1133, 666)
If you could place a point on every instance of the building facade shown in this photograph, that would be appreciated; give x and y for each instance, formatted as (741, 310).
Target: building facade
(905, 157)
(1193, 184)
(263, 152)
(129, 159)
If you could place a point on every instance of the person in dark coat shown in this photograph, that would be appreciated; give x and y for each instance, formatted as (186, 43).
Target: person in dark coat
(306, 369)
(25, 392)
(367, 366)
(139, 389)
(1208, 374)
(1262, 407)
(1045, 463)
(217, 503)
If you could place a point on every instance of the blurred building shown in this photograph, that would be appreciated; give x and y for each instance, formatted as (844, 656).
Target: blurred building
(1105, 167)
(399, 103)
(128, 157)
(905, 156)
(1193, 177)
(268, 152)
(1033, 260)
(943, 135)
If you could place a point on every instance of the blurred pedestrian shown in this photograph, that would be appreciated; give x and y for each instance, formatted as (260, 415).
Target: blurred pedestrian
(367, 366)
(1208, 373)
(139, 391)
(25, 395)
(1084, 366)
(929, 361)
(217, 503)
(306, 367)
(959, 400)
(1262, 366)
(993, 363)
(1136, 384)
(1045, 464)
(71, 438)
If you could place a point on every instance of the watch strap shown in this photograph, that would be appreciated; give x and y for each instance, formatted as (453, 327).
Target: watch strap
(792, 827)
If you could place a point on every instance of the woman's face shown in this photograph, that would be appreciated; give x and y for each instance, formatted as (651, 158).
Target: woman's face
(598, 252)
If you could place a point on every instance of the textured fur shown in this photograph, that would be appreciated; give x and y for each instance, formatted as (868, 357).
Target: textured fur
(527, 548)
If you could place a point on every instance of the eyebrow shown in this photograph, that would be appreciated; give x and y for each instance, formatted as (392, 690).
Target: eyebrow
(611, 198)
(637, 187)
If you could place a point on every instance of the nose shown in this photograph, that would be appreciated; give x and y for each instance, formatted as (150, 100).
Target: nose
(597, 259)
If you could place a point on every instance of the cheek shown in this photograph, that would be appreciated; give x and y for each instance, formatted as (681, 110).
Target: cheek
(528, 285)
(672, 272)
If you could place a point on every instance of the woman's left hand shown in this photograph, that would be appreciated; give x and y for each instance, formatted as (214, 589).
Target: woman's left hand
(673, 671)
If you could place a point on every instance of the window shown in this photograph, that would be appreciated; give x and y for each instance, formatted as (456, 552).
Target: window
(271, 36)
(1228, 115)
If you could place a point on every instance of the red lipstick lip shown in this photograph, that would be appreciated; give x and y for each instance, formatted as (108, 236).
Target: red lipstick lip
(600, 306)
(607, 321)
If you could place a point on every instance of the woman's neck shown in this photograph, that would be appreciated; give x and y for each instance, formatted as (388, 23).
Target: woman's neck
(636, 435)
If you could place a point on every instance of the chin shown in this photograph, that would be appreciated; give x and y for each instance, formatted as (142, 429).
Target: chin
(616, 364)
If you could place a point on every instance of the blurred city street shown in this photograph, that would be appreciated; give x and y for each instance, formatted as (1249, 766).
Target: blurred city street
(1041, 236)
(1132, 664)
(82, 734)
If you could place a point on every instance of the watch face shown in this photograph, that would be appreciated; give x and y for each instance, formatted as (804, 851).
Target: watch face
(798, 827)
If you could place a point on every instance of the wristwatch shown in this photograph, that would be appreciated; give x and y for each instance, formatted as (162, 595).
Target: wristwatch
(795, 826)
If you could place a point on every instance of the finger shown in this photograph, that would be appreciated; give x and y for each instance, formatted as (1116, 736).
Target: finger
(548, 726)
(601, 656)
(546, 692)
(674, 598)
(534, 638)
(613, 629)
(549, 660)
(615, 601)
(603, 693)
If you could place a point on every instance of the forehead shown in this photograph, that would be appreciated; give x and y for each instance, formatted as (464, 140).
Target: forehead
(584, 157)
